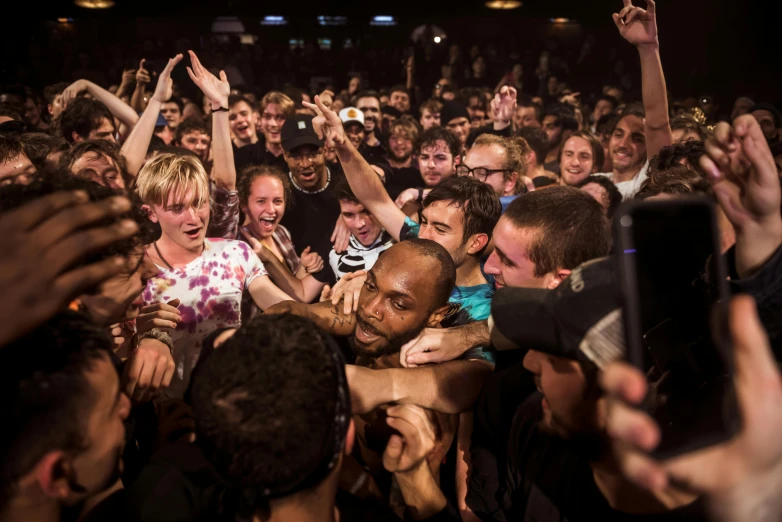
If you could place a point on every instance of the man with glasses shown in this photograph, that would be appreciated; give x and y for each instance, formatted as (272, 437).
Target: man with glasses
(497, 162)
(313, 207)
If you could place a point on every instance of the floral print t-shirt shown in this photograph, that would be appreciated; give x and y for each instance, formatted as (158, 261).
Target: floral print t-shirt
(209, 289)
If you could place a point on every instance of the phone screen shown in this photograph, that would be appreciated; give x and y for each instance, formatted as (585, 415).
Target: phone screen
(676, 333)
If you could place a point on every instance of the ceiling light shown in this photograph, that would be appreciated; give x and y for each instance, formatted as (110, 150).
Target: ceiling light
(503, 4)
(332, 20)
(228, 24)
(94, 4)
(274, 20)
(560, 20)
(383, 20)
(437, 39)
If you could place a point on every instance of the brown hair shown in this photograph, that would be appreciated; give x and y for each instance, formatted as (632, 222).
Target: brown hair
(253, 172)
(598, 155)
(675, 181)
(431, 105)
(405, 125)
(571, 227)
(278, 98)
(514, 161)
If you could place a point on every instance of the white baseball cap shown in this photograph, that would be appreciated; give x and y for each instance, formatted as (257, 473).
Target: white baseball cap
(351, 114)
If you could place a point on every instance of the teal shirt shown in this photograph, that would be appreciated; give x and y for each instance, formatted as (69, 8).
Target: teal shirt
(474, 302)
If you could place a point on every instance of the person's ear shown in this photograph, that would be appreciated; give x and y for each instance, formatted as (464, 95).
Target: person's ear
(436, 317)
(52, 475)
(510, 183)
(457, 160)
(560, 275)
(150, 213)
(350, 438)
(477, 243)
(76, 138)
(50, 108)
(530, 158)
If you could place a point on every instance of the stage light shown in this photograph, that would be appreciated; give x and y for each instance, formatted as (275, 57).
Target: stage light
(383, 20)
(503, 4)
(274, 20)
(65, 20)
(332, 20)
(94, 4)
(437, 39)
(560, 20)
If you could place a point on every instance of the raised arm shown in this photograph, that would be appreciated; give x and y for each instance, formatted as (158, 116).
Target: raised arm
(117, 107)
(639, 27)
(137, 101)
(135, 147)
(217, 90)
(450, 387)
(360, 175)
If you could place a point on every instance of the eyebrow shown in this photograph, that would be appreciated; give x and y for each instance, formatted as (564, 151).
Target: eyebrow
(505, 259)
(392, 293)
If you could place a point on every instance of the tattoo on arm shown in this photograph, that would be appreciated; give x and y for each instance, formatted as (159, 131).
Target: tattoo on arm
(340, 320)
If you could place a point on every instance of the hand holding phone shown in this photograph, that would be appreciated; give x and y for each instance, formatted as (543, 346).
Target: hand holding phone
(675, 331)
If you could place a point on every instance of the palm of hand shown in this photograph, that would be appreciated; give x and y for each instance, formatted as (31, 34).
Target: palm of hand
(214, 89)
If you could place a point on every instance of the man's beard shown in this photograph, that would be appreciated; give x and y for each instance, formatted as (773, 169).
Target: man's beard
(394, 344)
(399, 159)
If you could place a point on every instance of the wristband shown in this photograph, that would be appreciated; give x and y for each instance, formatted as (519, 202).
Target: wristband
(359, 482)
(221, 109)
(159, 335)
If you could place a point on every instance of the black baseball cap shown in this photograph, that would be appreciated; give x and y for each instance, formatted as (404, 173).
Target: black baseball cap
(581, 319)
(297, 131)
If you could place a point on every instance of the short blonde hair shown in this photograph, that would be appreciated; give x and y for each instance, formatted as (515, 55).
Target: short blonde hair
(405, 126)
(278, 98)
(168, 174)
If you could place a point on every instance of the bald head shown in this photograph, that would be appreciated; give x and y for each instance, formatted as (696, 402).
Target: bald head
(423, 267)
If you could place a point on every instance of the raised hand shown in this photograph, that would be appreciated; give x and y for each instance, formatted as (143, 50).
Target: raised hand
(42, 241)
(637, 26)
(311, 261)
(142, 75)
(503, 105)
(327, 97)
(327, 124)
(745, 180)
(72, 91)
(217, 90)
(741, 471)
(165, 85)
(415, 441)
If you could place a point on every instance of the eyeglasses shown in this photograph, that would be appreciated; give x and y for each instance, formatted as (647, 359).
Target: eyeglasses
(312, 156)
(479, 173)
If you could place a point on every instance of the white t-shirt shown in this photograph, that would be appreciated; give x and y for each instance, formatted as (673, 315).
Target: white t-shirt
(359, 257)
(629, 188)
(209, 289)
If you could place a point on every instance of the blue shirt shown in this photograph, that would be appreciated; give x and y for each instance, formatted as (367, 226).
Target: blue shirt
(473, 303)
(505, 201)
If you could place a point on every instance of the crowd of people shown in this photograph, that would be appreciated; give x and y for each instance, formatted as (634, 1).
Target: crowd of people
(295, 305)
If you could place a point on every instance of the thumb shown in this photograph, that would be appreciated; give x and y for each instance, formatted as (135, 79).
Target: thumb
(174, 303)
(305, 251)
(393, 452)
(419, 358)
(141, 63)
(223, 77)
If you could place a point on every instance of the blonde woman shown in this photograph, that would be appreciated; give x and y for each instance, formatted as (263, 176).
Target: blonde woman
(208, 276)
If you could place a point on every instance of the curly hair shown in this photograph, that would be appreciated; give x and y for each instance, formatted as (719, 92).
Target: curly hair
(268, 407)
(98, 148)
(673, 156)
(430, 137)
(675, 181)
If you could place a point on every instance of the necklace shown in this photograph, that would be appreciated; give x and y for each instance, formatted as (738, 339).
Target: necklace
(164, 259)
(328, 180)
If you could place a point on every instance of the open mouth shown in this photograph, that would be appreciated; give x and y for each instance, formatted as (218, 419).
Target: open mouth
(307, 176)
(193, 233)
(267, 223)
(365, 333)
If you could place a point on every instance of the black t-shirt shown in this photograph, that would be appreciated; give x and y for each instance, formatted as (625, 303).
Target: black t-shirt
(527, 475)
(403, 179)
(310, 218)
(256, 154)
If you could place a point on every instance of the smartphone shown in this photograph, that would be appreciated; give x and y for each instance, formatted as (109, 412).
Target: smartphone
(675, 322)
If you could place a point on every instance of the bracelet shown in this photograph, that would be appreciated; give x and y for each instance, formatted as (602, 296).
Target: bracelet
(359, 482)
(221, 109)
(159, 335)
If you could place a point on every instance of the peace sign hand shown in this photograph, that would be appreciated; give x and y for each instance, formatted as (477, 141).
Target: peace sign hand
(327, 124)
